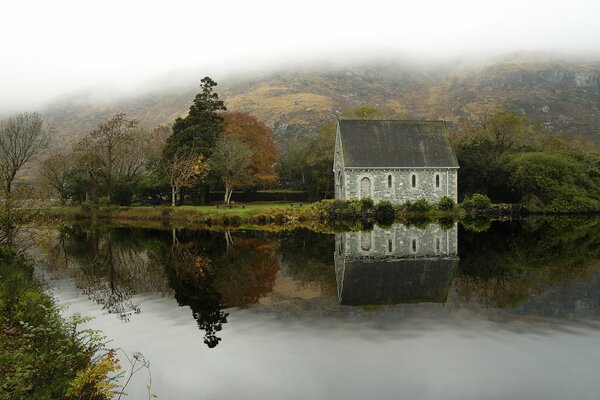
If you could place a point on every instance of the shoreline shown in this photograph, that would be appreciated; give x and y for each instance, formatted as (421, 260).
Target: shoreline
(278, 216)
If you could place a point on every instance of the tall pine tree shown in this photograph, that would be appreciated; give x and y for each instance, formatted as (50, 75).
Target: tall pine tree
(198, 131)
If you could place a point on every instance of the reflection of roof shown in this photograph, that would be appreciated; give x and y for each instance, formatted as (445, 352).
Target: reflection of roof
(407, 280)
(389, 144)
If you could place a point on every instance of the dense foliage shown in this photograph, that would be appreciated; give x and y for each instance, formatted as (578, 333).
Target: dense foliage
(40, 353)
(511, 160)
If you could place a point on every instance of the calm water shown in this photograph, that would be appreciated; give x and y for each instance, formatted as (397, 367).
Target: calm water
(507, 310)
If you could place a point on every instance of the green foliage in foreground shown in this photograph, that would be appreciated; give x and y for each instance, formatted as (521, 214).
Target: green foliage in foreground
(40, 352)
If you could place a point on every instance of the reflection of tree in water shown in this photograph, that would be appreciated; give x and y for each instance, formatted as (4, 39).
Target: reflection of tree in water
(109, 266)
(108, 282)
(514, 261)
(192, 278)
(210, 271)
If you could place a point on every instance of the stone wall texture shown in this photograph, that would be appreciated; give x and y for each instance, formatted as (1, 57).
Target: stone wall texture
(430, 184)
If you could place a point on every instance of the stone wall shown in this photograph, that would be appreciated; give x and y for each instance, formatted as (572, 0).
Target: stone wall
(399, 189)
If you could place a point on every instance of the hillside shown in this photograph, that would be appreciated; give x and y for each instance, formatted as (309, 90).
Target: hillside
(565, 96)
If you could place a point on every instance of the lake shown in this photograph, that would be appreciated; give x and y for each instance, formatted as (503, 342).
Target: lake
(475, 310)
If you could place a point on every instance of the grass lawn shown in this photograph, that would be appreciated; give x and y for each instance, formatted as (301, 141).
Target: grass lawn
(242, 210)
(189, 213)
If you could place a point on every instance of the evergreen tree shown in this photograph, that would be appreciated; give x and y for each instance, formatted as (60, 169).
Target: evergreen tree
(199, 130)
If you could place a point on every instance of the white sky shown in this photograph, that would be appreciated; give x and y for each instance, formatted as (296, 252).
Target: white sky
(48, 48)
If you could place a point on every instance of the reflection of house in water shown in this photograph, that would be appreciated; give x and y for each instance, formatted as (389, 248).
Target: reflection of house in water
(395, 265)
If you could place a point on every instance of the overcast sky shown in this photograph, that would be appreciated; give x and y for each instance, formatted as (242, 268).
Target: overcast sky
(49, 48)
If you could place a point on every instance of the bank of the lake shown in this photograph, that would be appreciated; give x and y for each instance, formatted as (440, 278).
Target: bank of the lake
(311, 215)
(43, 355)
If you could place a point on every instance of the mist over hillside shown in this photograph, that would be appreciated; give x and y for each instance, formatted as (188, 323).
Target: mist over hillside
(562, 95)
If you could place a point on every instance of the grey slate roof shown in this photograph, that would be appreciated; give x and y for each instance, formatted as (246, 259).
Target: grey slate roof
(395, 144)
(403, 280)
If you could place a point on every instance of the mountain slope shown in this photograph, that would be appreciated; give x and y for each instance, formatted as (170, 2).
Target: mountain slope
(564, 96)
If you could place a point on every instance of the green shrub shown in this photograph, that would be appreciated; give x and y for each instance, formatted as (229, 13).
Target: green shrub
(446, 203)
(338, 209)
(366, 203)
(384, 212)
(477, 202)
(32, 307)
(420, 205)
(123, 193)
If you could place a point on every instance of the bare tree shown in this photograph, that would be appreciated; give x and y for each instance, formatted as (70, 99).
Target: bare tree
(109, 140)
(22, 137)
(183, 170)
(231, 159)
(55, 171)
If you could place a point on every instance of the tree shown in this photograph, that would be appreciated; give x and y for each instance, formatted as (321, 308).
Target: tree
(505, 129)
(199, 130)
(108, 148)
(22, 138)
(183, 171)
(231, 160)
(482, 150)
(259, 138)
(308, 165)
(56, 172)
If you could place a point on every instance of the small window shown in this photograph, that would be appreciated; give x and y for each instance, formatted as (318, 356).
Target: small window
(389, 245)
(437, 245)
(414, 180)
(414, 245)
(437, 181)
(389, 181)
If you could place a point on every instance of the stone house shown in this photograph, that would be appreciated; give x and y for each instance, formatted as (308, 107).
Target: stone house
(394, 160)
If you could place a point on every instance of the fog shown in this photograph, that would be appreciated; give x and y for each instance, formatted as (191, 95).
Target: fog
(52, 50)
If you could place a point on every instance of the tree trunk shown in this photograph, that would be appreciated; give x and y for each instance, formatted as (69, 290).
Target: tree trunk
(226, 198)
(172, 196)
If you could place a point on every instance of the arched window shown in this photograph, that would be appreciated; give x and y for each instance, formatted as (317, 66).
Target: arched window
(437, 180)
(389, 181)
(413, 180)
(365, 187)
(413, 246)
(365, 241)
(389, 245)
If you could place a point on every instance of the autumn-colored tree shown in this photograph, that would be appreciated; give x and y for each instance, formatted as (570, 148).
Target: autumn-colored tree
(259, 138)
(184, 170)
